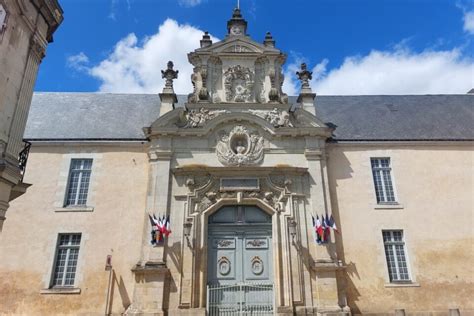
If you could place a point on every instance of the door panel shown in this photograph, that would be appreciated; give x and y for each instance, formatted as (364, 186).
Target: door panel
(239, 243)
(223, 267)
(256, 258)
(240, 265)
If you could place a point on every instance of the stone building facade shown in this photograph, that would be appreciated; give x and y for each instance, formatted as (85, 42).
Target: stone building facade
(243, 172)
(26, 28)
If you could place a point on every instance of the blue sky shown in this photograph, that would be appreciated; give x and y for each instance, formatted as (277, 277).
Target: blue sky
(353, 46)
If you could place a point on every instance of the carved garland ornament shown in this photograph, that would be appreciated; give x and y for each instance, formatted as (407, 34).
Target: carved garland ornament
(197, 118)
(238, 84)
(240, 147)
(276, 117)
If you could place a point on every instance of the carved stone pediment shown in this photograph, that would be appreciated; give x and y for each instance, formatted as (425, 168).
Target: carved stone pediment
(236, 48)
(240, 146)
(237, 45)
(203, 120)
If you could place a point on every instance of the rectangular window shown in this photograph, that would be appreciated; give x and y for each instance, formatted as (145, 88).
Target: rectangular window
(395, 255)
(65, 263)
(381, 172)
(78, 182)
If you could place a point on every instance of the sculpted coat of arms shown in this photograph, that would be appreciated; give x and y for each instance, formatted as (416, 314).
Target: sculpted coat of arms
(239, 84)
(239, 147)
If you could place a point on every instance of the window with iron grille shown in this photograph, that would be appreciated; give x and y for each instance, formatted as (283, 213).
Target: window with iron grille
(381, 172)
(78, 182)
(65, 263)
(396, 255)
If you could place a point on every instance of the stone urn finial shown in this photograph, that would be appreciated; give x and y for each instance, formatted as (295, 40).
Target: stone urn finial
(169, 74)
(306, 96)
(269, 41)
(304, 76)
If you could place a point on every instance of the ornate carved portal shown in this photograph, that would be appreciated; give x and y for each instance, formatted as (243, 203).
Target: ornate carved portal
(206, 195)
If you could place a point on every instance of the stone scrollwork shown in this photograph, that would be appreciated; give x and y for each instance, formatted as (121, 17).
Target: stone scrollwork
(224, 243)
(256, 243)
(240, 147)
(197, 118)
(276, 117)
(206, 191)
(239, 82)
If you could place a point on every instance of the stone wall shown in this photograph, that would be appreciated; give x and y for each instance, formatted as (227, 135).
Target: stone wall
(434, 186)
(113, 227)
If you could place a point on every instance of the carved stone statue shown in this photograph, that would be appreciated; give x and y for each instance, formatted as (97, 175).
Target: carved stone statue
(304, 76)
(239, 147)
(169, 74)
(197, 83)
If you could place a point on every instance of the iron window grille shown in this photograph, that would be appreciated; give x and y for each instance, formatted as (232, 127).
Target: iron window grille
(395, 254)
(65, 263)
(78, 182)
(381, 172)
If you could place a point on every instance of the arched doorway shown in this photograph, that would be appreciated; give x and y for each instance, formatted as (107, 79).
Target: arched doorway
(240, 266)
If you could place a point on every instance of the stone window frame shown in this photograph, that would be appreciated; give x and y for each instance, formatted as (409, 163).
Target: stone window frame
(387, 186)
(63, 180)
(81, 177)
(383, 153)
(382, 260)
(50, 253)
(67, 262)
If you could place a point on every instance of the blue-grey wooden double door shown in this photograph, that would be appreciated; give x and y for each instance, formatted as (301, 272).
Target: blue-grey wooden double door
(240, 246)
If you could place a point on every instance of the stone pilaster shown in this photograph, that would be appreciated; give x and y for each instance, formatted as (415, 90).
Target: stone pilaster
(324, 264)
(35, 55)
(151, 272)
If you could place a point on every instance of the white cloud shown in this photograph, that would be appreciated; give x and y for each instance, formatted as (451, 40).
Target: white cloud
(469, 22)
(135, 66)
(395, 72)
(78, 62)
(189, 3)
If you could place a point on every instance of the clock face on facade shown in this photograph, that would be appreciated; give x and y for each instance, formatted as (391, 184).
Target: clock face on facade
(236, 30)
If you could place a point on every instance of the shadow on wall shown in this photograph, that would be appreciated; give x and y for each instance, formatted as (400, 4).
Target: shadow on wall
(122, 291)
(346, 287)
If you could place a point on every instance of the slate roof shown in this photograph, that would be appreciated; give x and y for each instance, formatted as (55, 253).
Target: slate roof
(98, 116)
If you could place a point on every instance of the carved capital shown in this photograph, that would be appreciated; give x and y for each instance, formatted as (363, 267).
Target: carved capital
(37, 48)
